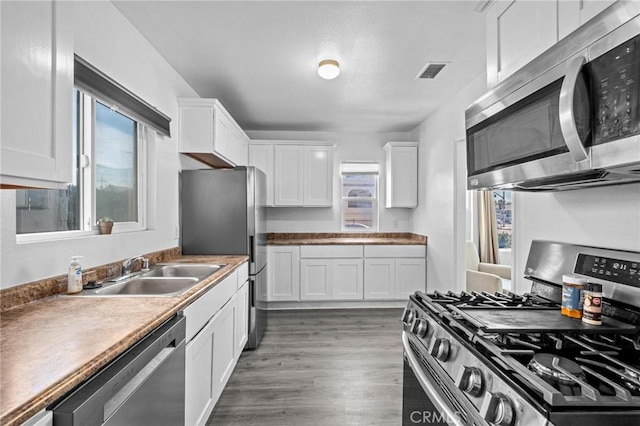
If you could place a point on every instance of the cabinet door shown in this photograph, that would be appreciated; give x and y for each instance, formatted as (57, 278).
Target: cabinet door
(574, 13)
(289, 175)
(402, 176)
(37, 93)
(315, 279)
(223, 347)
(242, 319)
(318, 176)
(379, 278)
(410, 277)
(196, 128)
(284, 273)
(223, 134)
(199, 397)
(347, 279)
(262, 157)
(517, 32)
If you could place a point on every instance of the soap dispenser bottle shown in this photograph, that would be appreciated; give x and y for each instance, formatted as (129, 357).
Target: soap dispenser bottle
(74, 279)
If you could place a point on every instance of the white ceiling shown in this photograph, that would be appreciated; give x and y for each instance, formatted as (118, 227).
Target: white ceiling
(260, 57)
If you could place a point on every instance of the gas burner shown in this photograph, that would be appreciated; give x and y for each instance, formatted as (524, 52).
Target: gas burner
(558, 371)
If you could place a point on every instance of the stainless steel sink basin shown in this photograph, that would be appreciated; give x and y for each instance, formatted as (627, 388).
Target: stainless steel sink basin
(146, 286)
(196, 270)
(165, 280)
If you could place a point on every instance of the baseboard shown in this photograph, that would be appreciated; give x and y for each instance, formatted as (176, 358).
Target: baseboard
(276, 306)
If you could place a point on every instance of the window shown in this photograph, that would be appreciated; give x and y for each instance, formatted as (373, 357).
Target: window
(109, 159)
(504, 217)
(359, 196)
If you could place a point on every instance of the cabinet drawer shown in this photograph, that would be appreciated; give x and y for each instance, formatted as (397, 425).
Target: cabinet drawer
(200, 311)
(243, 274)
(394, 251)
(330, 252)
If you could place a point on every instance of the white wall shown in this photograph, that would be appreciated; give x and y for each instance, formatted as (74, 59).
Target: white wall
(441, 189)
(349, 147)
(108, 41)
(603, 217)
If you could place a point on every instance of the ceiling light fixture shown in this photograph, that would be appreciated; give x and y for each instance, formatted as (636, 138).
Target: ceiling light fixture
(328, 69)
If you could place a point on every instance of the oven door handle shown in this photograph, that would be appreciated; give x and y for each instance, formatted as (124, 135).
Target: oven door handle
(566, 112)
(451, 417)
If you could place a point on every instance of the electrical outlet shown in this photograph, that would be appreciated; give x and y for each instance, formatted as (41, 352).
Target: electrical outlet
(395, 223)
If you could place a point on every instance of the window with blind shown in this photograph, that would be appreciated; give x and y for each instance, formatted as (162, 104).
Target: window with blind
(360, 196)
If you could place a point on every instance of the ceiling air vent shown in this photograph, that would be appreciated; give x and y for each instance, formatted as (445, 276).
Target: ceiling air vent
(431, 70)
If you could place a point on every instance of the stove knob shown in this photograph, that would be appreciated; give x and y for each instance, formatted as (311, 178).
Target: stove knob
(440, 349)
(408, 315)
(497, 410)
(470, 380)
(420, 327)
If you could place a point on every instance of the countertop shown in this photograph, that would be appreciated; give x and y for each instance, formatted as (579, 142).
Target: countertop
(49, 346)
(346, 238)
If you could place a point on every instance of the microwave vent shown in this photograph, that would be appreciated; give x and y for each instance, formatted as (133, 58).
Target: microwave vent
(431, 70)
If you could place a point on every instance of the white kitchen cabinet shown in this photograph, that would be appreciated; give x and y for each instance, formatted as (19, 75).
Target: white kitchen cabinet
(224, 359)
(347, 281)
(199, 397)
(394, 271)
(303, 175)
(43, 418)
(411, 276)
(242, 319)
(289, 175)
(37, 94)
(401, 172)
(315, 279)
(262, 157)
(283, 273)
(379, 276)
(517, 32)
(574, 13)
(208, 133)
(318, 176)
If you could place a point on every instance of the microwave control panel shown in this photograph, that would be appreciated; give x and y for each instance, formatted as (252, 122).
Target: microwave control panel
(615, 83)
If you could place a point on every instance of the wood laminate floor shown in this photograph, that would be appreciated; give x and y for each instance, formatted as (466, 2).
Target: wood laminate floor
(319, 367)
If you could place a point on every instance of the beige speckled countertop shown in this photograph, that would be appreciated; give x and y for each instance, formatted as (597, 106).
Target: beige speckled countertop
(346, 238)
(49, 346)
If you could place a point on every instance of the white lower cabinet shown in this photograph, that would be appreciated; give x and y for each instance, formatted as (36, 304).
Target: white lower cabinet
(284, 273)
(315, 279)
(347, 279)
(242, 319)
(380, 278)
(43, 418)
(217, 331)
(411, 275)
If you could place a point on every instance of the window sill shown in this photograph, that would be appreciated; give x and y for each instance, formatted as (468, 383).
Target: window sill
(68, 235)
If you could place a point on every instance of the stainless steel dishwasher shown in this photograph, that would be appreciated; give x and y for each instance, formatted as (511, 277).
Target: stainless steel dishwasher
(144, 386)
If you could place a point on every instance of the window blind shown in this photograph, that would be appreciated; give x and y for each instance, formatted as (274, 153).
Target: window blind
(361, 168)
(94, 82)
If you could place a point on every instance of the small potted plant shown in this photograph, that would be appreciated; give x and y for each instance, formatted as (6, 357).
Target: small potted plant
(105, 225)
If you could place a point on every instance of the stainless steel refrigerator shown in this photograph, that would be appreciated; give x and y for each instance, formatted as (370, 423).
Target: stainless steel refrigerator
(223, 212)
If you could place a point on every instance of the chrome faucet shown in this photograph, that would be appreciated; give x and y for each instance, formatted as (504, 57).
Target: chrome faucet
(128, 264)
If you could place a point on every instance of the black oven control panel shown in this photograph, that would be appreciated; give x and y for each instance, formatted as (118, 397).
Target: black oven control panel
(615, 83)
(609, 269)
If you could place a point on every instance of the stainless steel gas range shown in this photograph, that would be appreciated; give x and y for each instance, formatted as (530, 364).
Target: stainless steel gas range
(507, 359)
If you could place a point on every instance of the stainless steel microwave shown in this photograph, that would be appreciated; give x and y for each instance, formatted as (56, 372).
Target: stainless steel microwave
(570, 118)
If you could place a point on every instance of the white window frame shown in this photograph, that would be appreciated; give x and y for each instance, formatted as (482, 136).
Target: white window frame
(88, 220)
(350, 168)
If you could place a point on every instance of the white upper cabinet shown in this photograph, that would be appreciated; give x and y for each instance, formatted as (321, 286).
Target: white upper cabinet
(262, 157)
(520, 30)
(208, 133)
(297, 175)
(574, 13)
(401, 174)
(37, 94)
(289, 175)
(318, 176)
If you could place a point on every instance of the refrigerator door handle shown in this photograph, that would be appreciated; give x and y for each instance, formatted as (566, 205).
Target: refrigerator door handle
(252, 293)
(252, 258)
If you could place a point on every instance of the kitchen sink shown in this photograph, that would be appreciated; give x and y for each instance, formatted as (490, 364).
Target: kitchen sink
(164, 280)
(182, 270)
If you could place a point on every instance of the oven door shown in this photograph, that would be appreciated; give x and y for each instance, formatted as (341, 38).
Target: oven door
(428, 395)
